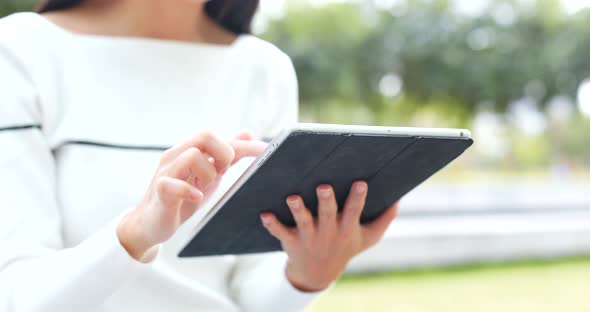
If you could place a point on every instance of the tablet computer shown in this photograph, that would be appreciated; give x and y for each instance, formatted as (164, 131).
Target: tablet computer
(392, 161)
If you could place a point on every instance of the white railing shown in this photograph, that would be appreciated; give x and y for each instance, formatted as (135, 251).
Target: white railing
(460, 224)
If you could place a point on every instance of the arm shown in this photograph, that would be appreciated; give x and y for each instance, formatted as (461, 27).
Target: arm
(259, 283)
(317, 251)
(36, 273)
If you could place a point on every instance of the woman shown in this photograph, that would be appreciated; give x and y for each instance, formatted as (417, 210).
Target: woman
(94, 94)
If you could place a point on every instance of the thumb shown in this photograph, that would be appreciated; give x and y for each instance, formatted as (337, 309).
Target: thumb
(374, 231)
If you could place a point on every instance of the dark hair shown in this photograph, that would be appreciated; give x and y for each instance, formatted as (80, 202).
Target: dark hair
(234, 15)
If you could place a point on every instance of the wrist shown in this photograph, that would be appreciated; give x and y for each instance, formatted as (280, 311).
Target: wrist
(301, 283)
(134, 240)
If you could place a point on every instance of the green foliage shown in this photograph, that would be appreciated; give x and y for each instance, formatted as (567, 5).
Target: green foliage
(10, 6)
(324, 46)
(531, 150)
(342, 51)
(451, 66)
(572, 141)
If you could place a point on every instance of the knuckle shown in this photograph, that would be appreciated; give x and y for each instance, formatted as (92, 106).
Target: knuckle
(328, 210)
(181, 191)
(271, 230)
(298, 215)
(329, 238)
(274, 230)
(166, 156)
(310, 248)
(357, 208)
(230, 153)
(210, 174)
(206, 135)
(161, 184)
(329, 217)
(355, 204)
(193, 152)
(346, 235)
(162, 170)
(305, 221)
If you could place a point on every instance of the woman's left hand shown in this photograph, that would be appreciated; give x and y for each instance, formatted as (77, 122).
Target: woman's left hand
(319, 250)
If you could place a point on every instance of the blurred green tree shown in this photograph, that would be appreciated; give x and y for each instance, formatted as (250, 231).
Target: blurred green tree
(10, 6)
(343, 51)
(425, 63)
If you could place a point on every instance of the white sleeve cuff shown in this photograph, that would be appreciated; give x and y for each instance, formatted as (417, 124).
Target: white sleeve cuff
(268, 288)
(75, 279)
(298, 300)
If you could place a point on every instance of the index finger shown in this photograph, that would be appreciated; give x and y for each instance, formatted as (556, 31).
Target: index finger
(244, 148)
(208, 143)
(219, 150)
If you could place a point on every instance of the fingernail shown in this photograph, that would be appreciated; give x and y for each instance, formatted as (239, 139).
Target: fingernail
(360, 187)
(196, 194)
(293, 202)
(324, 191)
(265, 219)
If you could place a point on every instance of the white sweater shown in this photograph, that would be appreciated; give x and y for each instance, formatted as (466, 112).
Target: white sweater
(83, 120)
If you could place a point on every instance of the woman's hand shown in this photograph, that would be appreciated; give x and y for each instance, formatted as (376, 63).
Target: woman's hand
(187, 175)
(319, 249)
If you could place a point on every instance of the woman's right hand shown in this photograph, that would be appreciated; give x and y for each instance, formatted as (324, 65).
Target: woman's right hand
(187, 174)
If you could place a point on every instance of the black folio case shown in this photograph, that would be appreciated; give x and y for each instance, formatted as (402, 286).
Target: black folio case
(392, 165)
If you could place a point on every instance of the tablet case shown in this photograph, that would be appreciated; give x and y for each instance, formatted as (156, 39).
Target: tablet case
(392, 166)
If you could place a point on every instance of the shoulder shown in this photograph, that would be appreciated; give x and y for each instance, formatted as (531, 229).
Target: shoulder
(274, 76)
(30, 59)
(24, 28)
(266, 55)
(29, 41)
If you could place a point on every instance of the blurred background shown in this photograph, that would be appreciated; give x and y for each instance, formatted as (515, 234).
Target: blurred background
(507, 226)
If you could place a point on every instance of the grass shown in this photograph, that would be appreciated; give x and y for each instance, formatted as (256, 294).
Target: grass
(532, 286)
(455, 174)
